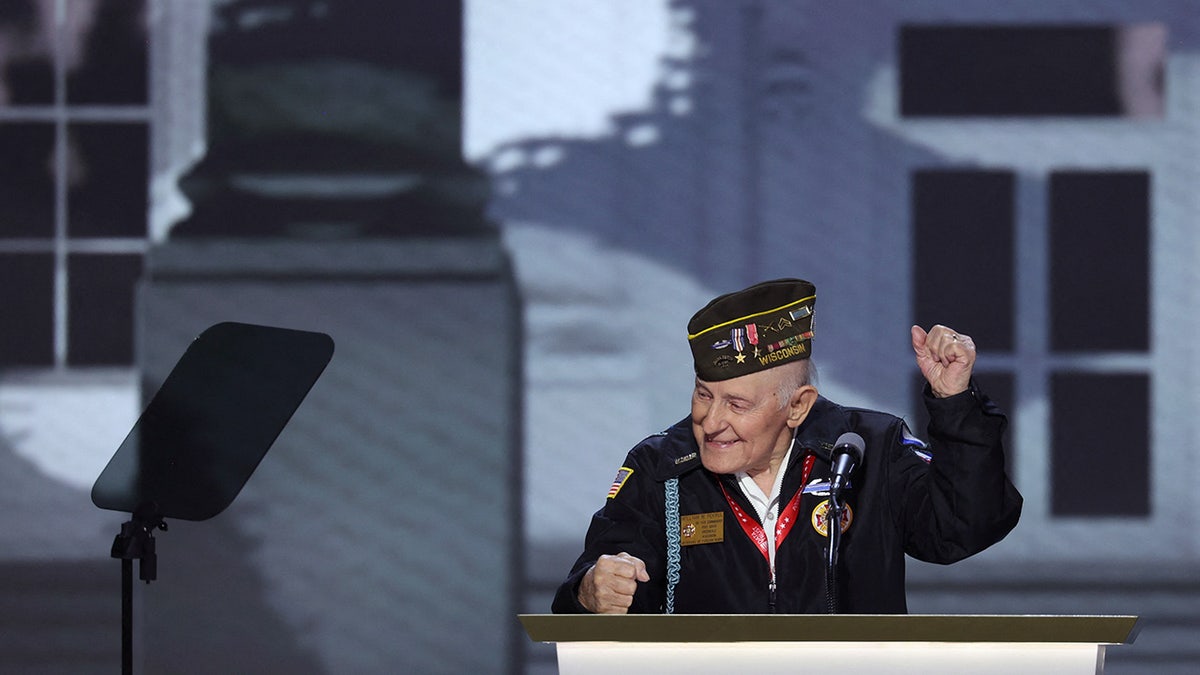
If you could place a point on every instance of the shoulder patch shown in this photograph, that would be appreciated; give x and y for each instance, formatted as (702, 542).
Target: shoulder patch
(623, 475)
(915, 445)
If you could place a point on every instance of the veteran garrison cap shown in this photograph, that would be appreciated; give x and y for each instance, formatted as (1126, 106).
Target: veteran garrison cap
(763, 326)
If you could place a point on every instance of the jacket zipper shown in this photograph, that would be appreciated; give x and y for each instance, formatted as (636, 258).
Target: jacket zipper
(771, 592)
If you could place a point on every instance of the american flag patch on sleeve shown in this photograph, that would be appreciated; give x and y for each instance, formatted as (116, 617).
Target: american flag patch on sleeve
(623, 475)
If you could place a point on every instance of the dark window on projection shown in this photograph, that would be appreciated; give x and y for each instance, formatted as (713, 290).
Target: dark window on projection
(26, 309)
(1100, 302)
(1100, 468)
(114, 68)
(1032, 70)
(1099, 261)
(108, 195)
(962, 224)
(26, 180)
(72, 178)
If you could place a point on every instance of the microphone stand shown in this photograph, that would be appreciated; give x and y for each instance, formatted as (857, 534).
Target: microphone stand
(833, 520)
(847, 453)
(135, 542)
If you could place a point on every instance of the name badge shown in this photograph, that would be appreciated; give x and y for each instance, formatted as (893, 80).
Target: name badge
(702, 528)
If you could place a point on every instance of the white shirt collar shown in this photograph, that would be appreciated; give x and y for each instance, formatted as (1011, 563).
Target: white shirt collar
(767, 506)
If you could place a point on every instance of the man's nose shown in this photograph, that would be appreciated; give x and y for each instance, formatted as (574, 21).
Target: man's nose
(714, 419)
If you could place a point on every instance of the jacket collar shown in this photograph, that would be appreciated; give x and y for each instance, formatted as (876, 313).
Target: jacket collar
(821, 429)
(680, 454)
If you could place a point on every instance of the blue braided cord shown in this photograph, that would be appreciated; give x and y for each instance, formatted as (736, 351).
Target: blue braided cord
(672, 496)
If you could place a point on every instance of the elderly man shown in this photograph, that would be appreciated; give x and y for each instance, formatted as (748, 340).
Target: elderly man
(727, 511)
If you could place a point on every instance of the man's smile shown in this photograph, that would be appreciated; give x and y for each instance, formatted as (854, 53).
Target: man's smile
(719, 444)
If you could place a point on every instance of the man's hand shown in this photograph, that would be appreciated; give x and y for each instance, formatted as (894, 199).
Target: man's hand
(945, 357)
(609, 586)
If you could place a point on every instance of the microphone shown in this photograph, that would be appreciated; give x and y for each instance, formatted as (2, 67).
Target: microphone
(847, 454)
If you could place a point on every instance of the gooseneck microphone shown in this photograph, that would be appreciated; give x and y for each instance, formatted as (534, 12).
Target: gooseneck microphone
(847, 454)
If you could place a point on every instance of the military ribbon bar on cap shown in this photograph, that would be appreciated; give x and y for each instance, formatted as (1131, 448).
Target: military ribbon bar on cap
(767, 324)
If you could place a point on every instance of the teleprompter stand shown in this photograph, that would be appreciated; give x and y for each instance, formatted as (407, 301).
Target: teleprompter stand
(201, 437)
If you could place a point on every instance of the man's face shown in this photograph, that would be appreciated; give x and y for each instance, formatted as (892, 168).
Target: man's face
(739, 423)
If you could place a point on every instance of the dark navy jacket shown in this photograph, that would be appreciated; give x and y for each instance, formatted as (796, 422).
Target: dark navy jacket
(901, 501)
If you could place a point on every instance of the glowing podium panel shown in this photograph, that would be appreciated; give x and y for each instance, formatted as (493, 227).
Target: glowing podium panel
(843, 643)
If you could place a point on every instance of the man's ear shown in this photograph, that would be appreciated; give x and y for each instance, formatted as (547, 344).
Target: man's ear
(800, 404)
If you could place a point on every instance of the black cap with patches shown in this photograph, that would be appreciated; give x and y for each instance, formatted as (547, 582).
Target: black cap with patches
(766, 325)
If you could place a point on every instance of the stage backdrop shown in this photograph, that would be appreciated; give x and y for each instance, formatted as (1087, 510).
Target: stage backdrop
(504, 214)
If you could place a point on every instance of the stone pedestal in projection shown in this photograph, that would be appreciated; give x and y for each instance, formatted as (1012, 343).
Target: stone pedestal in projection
(381, 532)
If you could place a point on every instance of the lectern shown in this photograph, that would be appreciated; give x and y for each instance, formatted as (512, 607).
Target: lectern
(842, 643)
